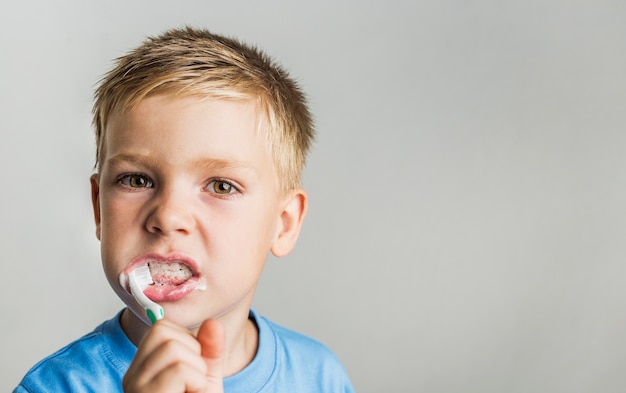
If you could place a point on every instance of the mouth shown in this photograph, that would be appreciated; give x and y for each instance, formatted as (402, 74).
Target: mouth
(169, 273)
(174, 277)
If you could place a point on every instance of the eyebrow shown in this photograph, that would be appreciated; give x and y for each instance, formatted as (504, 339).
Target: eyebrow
(199, 164)
(223, 164)
(135, 159)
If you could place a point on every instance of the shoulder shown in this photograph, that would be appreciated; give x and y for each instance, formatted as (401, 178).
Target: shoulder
(304, 361)
(298, 344)
(87, 364)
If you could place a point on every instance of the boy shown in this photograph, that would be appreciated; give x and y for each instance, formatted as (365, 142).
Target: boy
(200, 144)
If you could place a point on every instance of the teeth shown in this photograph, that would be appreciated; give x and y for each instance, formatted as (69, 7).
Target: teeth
(173, 273)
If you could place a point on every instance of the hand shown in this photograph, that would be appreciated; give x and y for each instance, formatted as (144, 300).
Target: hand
(170, 359)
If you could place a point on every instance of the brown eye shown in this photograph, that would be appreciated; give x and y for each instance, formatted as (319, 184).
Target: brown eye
(136, 181)
(222, 187)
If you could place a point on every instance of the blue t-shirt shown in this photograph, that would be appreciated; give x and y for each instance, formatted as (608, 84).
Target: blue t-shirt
(285, 361)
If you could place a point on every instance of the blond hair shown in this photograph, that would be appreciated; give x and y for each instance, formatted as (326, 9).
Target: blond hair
(195, 62)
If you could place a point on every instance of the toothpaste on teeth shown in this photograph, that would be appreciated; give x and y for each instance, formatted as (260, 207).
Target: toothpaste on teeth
(171, 273)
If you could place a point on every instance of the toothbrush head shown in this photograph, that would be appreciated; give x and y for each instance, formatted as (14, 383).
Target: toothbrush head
(138, 280)
(142, 276)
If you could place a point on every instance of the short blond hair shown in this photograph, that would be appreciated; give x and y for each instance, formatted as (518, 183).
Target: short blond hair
(196, 62)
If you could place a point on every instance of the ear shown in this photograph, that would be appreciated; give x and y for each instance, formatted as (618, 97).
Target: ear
(95, 201)
(290, 222)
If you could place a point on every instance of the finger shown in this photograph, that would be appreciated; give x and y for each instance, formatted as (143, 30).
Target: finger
(211, 339)
(166, 330)
(170, 353)
(164, 345)
(178, 377)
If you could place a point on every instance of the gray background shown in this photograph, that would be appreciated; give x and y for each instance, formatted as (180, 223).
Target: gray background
(467, 222)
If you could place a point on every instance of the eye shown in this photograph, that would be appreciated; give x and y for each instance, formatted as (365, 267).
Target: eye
(221, 187)
(136, 181)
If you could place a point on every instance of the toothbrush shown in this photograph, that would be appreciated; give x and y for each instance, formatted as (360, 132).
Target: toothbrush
(138, 280)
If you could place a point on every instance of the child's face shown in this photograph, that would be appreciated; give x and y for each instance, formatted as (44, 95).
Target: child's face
(189, 181)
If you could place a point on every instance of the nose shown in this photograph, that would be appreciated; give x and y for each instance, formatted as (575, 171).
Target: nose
(170, 213)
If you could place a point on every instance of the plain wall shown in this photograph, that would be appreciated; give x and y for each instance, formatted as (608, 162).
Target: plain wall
(468, 185)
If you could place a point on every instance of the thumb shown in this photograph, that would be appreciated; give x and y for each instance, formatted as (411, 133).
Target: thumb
(211, 339)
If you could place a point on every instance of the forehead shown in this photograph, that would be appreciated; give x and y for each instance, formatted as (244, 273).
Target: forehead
(188, 129)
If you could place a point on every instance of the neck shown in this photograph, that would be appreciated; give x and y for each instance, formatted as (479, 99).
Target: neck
(242, 340)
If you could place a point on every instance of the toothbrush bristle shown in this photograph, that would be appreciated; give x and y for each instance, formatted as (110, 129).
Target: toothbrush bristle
(142, 275)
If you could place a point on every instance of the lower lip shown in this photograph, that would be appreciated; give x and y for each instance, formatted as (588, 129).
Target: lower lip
(171, 293)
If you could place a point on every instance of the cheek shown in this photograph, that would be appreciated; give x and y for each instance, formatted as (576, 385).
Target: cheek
(115, 236)
(117, 217)
(258, 232)
(246, 236)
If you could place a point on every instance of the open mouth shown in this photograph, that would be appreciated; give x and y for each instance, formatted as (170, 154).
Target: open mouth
(173, 277)
(169, 273)
(173, 280)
